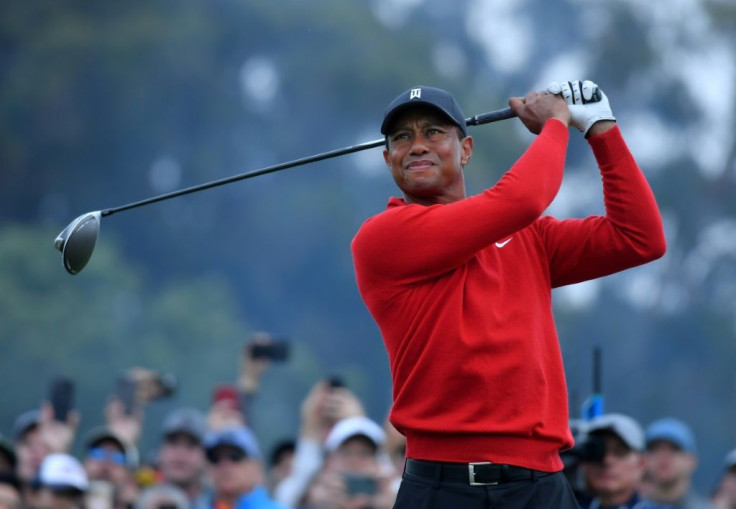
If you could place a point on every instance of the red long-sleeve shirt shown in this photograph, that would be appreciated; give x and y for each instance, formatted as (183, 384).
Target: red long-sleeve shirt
(462, 295)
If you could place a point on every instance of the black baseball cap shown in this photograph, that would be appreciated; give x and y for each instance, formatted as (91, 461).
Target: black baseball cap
(437, 98)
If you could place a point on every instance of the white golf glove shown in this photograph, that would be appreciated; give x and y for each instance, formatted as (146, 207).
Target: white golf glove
(585, 100)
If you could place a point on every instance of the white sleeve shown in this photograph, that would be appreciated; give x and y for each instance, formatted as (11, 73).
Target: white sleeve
(307, 462)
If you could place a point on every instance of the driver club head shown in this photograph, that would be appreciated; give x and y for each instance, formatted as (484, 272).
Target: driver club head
(77, 241)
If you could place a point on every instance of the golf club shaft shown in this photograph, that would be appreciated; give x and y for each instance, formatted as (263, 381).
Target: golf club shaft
(480, 119)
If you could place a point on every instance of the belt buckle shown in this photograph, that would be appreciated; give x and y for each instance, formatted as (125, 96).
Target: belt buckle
(471, 474)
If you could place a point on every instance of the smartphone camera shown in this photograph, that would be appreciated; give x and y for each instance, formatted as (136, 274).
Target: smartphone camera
(360, 484)
(125, 391)
(277, 350)
(335, 381)
(61, 396)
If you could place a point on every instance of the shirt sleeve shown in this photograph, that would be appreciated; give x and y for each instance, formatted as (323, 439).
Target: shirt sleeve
(412, 242)
(307, 462)
(630, 233)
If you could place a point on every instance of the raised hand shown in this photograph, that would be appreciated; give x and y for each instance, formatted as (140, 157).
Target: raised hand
(586, 101)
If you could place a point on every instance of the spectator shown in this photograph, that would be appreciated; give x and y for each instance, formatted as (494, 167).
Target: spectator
(109, 457)
(8, 459)
(327, 402)
(236, 471)
(37, 434)
(671, 459)
(353, 475)
(62, 483)
(614, 479)
(11, 494)
(281, 461)
(252, 367)
(225, 410)
(181, 454)
(163, 496)
(29, 446)
(232, 405)
(584, 449)
(725, 495)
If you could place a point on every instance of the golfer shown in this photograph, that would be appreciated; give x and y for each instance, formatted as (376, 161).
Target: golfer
(460, 288)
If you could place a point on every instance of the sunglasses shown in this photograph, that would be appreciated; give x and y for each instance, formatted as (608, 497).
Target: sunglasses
(234, 456)
(100, 454)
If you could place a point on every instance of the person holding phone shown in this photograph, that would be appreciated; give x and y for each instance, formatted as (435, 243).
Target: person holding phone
(45, 430)
(356, 472)
(327, 403)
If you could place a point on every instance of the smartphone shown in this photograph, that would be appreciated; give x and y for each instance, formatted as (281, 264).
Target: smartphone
(125, 391)
(360, 484)
(100, 495)
(277, 351)
(335, 381)
(164, 386)
(61, 396)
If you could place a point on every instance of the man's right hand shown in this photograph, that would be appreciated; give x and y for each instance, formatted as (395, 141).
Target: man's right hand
(538, 107)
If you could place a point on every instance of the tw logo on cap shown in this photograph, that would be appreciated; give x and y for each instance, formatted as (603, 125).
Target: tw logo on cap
(415, 93)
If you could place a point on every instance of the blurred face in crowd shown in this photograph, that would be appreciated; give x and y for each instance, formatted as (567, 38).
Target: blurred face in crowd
(182, 459)
(667, 464)
(105, 461)
(9, 497)
(615, 478)
(161, 496)
(282, 468)
(31, 451)
(725, 496)
(357, 455)
(232, 472)
(59, 499)
(5, 464)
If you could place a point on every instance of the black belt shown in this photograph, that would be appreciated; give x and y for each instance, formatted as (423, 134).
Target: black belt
(474, 474)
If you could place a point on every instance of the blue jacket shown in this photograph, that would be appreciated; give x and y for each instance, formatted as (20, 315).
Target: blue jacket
(257, 498)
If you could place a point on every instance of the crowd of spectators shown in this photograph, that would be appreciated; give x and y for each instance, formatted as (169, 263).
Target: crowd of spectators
(340, 458)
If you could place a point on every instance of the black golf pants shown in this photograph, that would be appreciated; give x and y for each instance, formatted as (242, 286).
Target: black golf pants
(550, 491)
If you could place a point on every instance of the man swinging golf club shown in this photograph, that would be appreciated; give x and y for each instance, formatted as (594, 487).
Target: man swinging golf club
(460, 288)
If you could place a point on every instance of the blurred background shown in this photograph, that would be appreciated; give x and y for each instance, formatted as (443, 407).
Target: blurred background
(105, 103)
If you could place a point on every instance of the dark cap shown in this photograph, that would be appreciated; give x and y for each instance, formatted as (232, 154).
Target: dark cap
(436, 98)
(7, 450)
(106, 434)
(25, 422)
(186, 420)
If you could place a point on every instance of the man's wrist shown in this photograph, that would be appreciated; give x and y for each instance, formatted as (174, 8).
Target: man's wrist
(600, 127)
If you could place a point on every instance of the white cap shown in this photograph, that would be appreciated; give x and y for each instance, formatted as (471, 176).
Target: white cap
(352, 427)
(626, 428)
(61, 471)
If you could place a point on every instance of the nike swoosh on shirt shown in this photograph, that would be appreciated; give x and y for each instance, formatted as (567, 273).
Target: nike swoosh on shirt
(501, 244)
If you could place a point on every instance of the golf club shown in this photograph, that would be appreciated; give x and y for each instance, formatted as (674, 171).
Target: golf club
(77, 241)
